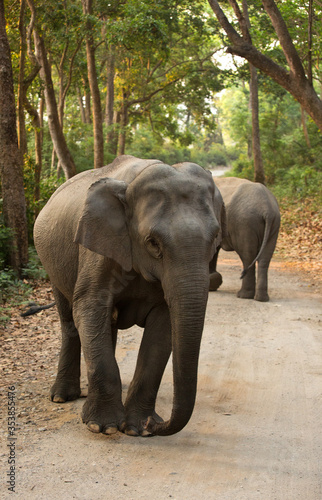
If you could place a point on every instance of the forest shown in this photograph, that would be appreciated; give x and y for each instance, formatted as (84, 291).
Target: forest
(233, 84)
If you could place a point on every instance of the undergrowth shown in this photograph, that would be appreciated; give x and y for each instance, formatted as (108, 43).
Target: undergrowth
(14, 292)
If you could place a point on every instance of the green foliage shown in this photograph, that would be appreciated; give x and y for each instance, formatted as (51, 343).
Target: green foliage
(15, 291)
(34, 269)
(299, 183)
(289, 160)
(146, 144)
(5, 243)
(48, 185)
(215, 155)
(191, 145)
(242, 167)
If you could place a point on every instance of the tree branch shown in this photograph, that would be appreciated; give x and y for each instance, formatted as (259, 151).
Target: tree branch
(31, 54)
(242, 48)
(285, 39)
(241, 21)
(232, 34)
(262, 62)
(152, 94)
(69, 81)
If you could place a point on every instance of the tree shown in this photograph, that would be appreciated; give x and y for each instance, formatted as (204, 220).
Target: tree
(14, 204)
(55, 128)
(292, 77)
(95, 91)
(243, 18)
(163, 55)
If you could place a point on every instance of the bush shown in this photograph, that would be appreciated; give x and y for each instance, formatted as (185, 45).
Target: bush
(242, 167)
(5, 243)
(48, 186)
(15, 290)
(298, 183)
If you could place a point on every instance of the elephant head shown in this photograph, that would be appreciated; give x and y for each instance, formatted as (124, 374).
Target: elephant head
(164, 225)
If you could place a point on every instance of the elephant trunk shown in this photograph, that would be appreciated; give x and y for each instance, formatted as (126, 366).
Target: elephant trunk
(187, 300)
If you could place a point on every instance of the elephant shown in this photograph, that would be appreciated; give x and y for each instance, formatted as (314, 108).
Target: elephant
(131, 244)
(253, 221)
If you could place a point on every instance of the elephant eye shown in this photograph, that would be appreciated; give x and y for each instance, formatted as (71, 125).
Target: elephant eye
(153, 247)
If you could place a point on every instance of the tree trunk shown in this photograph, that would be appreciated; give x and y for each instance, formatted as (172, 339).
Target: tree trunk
(259, 175)
(109, 108)
(88, 111)
(96, 97)
(309, 42)
(306, 134)
(55, 129)
(87, 95)
(37, 124)
(114, 143)
(81, 104)
(14, 203)
(244, 22)
(22, 137)
(122, 134)
(123, 125)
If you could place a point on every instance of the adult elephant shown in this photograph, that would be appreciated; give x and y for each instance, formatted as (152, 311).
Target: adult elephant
(127, 244)
(253, 221)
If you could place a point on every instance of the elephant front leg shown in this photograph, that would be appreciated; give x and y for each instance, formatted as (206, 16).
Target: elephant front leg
(103, 410)
(153, 356)
(215, 281)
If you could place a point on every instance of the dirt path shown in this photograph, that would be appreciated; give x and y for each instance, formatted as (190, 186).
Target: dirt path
(256, 428)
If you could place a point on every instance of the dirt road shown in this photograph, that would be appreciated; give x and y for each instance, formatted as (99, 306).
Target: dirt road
(255, 432)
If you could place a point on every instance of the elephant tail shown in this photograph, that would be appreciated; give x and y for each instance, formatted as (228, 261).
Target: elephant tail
(268, 225)
(35, 309)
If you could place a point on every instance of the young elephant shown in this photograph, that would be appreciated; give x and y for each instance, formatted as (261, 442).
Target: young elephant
(127, 244)
(253, 221)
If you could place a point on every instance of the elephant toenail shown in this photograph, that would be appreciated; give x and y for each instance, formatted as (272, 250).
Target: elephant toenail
(111, 429)
(94, 427)
(146, 433)
(58, 399)
(131, 431)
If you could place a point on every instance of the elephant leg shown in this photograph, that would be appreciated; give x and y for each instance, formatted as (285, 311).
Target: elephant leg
(215, 279)
(103, 410)
(153, 356)
(67, 384)
(262, 269)
(261, 287)
(247, 290)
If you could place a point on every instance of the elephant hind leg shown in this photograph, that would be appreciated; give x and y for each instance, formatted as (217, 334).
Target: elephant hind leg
(261, 287)
(67, 384)
(247, 290)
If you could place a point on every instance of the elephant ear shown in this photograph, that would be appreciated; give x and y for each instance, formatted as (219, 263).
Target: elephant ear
(102, 227)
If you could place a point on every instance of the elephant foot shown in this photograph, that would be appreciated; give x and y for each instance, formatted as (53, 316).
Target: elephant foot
(103, 417)
(262, 296)
(246, 294)
(215, 281)
(63, 391)
(136, 423)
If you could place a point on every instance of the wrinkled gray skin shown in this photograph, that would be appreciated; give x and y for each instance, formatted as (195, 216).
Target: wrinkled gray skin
(253, 221)
(131, 244)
